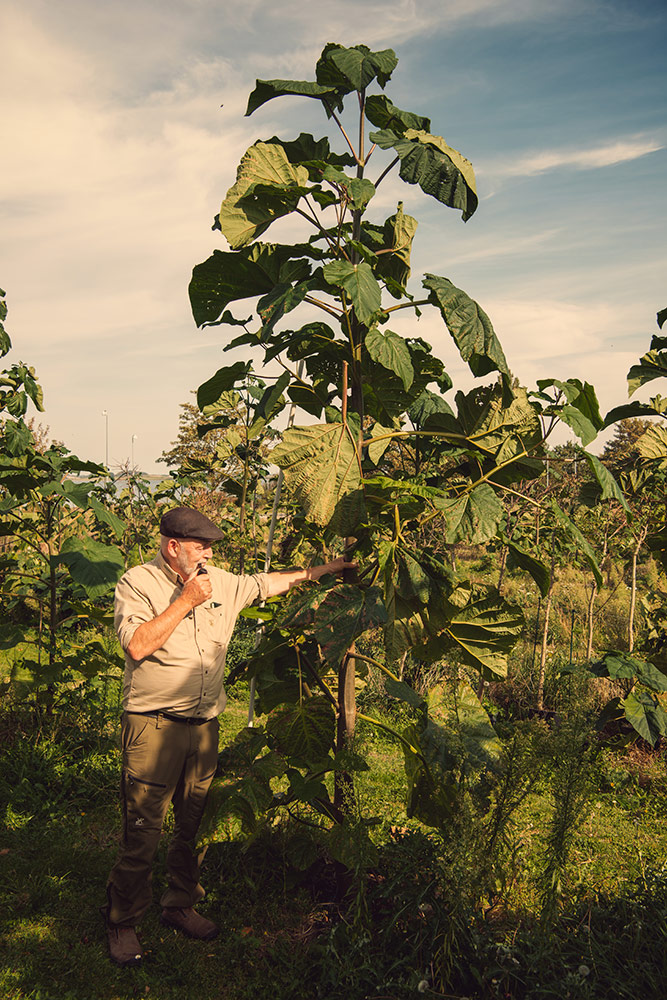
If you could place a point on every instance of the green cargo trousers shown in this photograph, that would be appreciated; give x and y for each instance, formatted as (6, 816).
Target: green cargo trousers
(163, 761)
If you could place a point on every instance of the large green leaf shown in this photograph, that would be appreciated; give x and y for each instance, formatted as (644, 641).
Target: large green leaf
(426, 405)
(623, 666)
(321, 468)
(646, 715)
(538, 571)
(356, 190)
(574, 534)
(346, 613)
(305, 731)
(349, 844)
(377, 448)
(405, 628)
(652, 445)
(469, 326)
(445, 757)
(655, 407)
(482, 747)
(233, 806)
(267, 187)
(399, 232)
(472, 517)
(354, 68)
(651, 365)
(391, 351)
(581, 410)
(385, 396)
(266, 90)
(360, 284)
(210, 392)
(484, 632)
(502, 424)
(610, 490)
(226, 277)
(388, 249)
(272, 400)
(337, 616)
(433, 795)
(95, 566)
(278, 302)
(384, 115)
(439, 170)
(105, 516)
(313, 153)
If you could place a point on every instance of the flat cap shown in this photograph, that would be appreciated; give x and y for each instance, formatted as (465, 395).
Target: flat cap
(185, 522)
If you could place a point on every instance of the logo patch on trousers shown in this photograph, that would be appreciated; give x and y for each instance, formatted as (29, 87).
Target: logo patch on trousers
(139, 822)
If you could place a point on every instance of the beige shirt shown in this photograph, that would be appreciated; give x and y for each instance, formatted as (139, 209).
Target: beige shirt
(185, 675)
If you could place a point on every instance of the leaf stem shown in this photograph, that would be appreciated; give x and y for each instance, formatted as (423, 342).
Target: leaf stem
(315, 222)
(340, 126)
(497, 468)
(522, 496)
(408, 305)
(332, 310)
(376, 663)
(396, 435)
(386, 171)
(319, 681)
(344, 394)
(399, 737)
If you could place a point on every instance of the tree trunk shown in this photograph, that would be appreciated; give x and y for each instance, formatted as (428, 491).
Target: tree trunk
(633, 590)
(589, 620)
(347, 717)
(545, 630)
(503, 565)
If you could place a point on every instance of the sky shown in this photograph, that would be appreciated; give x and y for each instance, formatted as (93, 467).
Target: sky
(123, 125)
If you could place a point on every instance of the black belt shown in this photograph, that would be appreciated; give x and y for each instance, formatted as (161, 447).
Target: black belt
(189, 720)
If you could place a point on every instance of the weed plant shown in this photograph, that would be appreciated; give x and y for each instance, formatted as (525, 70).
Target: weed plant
(454, 914)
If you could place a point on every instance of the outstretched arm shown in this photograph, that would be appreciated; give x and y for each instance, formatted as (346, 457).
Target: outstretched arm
(283, 580)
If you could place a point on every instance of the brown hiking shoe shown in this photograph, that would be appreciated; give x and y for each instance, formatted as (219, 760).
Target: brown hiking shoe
(190, 922)
(124, 947)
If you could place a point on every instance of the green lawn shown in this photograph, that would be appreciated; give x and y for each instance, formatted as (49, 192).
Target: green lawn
(282, 937)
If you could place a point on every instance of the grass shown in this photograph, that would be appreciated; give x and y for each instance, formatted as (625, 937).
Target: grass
(281, 937)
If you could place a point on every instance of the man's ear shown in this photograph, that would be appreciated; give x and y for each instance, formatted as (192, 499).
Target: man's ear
(173, 547)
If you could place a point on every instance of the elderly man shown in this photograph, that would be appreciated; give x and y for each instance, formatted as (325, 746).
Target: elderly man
(174, 617)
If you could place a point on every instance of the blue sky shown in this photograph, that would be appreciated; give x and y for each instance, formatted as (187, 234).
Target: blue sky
(116, 154)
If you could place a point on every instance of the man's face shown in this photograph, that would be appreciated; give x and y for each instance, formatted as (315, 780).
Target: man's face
(187, 554)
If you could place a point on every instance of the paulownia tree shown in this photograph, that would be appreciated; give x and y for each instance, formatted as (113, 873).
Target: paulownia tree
(367, 389)
(644, 680)
(52, 564)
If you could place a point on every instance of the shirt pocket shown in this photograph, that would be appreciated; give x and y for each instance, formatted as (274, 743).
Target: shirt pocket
(213, 624)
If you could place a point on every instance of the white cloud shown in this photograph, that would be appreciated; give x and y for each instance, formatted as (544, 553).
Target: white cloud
(116, 154)
(619, 151)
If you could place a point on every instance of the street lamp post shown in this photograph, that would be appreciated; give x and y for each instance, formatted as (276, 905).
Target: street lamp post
(134, 438)
(105, 414)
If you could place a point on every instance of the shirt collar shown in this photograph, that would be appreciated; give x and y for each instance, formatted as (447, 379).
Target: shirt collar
(167, 570)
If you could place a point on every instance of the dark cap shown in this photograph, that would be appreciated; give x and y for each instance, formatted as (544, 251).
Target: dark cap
(184, 522)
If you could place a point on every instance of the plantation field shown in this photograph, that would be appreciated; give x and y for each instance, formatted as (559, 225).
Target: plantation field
(456, 784)
(407, 921)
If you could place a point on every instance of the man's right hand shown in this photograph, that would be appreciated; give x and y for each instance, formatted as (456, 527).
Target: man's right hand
(197, 590)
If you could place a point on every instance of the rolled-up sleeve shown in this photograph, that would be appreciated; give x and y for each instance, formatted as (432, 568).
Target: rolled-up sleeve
(131, 609)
